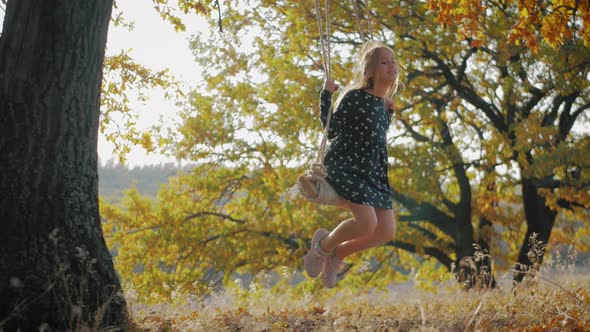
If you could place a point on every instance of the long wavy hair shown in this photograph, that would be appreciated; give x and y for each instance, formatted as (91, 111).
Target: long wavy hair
(368, 59)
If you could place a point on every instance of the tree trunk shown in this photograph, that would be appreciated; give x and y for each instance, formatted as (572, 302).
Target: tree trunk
(539, 219)
(482, 258)
(55, 269)
(464, 233)
(475, 266)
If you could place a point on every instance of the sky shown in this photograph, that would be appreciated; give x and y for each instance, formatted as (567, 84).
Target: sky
(155, 44)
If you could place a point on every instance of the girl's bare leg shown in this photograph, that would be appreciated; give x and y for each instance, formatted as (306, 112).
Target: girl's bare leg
(363, 224)
(383, 233)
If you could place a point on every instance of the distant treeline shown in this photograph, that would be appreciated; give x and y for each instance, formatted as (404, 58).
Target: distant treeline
(114, 179)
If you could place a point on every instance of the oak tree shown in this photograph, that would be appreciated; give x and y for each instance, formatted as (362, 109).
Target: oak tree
(477, 122)
(56, 272)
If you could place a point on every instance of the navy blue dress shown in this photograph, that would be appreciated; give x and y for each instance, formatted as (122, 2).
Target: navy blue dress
(356, 158)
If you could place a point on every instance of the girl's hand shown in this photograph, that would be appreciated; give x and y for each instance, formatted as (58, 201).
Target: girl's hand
(388, 103)
(330, 85)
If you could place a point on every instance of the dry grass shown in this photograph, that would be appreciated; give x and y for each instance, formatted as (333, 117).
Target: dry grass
(556, 303)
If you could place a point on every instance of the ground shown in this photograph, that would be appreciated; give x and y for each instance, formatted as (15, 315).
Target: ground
(552, 302)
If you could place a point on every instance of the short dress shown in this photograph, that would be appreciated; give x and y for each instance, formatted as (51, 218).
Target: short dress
(356, 158)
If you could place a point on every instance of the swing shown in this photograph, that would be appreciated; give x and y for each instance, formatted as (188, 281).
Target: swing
(358, 19)
(312, 184)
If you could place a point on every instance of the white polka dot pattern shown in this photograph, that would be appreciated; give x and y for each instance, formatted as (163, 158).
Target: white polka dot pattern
(356, 158)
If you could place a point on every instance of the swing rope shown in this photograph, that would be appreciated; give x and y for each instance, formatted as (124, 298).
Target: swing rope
(327, 62)
(358, 19)
(324, 44)
(312, 184)
(369, 19)
(325, 50)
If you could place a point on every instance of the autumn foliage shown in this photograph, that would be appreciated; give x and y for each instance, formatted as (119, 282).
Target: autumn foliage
(554, 22)
(488, 145)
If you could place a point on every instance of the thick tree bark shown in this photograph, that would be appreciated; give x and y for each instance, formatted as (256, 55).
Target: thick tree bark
(464, 239)
(55, 269)
(463, 212)
(539, 219)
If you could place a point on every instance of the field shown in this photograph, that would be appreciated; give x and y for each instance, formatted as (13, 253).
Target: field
(551, 302)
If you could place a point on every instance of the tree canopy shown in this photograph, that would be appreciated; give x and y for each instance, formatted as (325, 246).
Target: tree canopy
(488, 146)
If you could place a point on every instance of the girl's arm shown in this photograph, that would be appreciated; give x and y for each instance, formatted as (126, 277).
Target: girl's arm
(325, 108)
(339, 118)
(389, 107)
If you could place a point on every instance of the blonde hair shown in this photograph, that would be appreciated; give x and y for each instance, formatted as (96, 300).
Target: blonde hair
(368, 59)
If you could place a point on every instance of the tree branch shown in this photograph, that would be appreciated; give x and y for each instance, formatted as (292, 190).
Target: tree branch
(468, 94)
(424, 231)
(550, 117)
(289, 241)
(219, 16)
(425, 212)
(430, 251)
(550, 183)
(537, 95)
(457, 163)
(566, 119)
(215, 214)
(570, 205)
(580, 110)
(415, 135)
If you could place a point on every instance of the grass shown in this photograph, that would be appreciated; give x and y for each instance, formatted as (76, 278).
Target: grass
(557, 302)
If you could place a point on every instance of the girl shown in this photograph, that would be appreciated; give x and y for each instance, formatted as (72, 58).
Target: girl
(356, 161)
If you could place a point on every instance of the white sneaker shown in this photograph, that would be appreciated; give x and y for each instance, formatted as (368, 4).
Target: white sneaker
(314, 260)
(330, 271)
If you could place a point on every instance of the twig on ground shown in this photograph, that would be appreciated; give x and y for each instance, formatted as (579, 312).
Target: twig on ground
(423, 317)
(475, 313)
